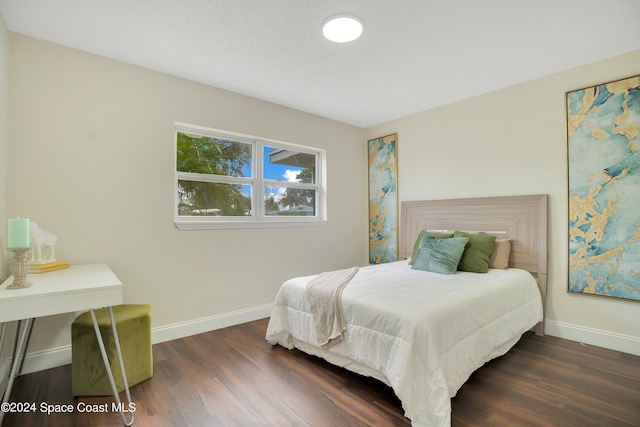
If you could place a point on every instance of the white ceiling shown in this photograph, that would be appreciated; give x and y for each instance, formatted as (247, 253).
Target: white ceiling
(413, 55)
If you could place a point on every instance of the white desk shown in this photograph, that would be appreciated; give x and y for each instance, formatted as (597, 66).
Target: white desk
(78, 288)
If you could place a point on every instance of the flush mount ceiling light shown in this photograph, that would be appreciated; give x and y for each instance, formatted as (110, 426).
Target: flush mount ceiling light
(342, 28)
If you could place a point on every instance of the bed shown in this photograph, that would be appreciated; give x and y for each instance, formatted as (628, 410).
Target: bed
(424, 333)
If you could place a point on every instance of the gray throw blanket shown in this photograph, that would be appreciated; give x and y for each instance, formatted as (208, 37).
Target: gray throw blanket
(324, 295)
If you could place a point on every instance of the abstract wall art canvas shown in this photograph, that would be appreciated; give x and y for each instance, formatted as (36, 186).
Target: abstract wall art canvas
(603, 147)
(383, 199)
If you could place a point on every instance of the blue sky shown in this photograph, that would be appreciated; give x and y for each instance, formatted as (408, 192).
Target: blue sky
(275, 171)
(279, 172)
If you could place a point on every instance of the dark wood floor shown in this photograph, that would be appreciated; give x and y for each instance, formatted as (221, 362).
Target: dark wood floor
(232, 377)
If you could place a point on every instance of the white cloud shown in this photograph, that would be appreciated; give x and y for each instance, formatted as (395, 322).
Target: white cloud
(291, 176)
(278, 192)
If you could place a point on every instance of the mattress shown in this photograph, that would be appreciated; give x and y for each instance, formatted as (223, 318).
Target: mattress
(421, 333)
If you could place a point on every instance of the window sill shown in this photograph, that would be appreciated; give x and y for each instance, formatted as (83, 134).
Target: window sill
(220, 225)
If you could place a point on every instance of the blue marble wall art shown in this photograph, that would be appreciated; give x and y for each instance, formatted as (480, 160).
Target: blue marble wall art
(383, 199)
(603, 147)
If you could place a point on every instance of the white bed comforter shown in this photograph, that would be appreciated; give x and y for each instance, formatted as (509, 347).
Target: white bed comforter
(421, 333)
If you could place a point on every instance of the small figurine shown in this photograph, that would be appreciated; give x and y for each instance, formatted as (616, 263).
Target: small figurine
(43, 244)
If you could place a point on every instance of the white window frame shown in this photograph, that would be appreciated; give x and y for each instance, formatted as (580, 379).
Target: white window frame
(258, 218)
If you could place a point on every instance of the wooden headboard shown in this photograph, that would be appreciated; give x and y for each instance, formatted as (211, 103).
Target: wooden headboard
(521, 219)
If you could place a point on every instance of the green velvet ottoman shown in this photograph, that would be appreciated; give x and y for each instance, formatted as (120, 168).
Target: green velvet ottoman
(88, 374)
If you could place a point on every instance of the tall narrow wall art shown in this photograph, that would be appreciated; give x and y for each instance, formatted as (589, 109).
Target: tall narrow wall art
(383, 199)
(603, 147)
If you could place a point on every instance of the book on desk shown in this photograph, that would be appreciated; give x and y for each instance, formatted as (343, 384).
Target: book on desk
(37, 268)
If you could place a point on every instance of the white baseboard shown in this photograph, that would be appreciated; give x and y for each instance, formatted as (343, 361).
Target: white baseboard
(594, 337)
(205, 324)
(47, 359)
(52, 358)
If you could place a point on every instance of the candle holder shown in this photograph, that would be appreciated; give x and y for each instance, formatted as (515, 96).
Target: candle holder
(19, 268)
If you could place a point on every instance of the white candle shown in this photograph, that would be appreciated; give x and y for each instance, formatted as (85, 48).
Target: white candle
(19, 233)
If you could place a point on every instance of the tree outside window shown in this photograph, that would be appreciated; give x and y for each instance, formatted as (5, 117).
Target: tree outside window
(222, 177)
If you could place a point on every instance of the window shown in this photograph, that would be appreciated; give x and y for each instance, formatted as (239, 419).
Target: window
(230, 180)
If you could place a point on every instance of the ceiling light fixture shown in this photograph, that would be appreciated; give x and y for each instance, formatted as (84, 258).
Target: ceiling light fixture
(342, 28)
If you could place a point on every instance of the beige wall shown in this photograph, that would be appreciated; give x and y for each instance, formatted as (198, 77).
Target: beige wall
(92, 160)
(4, 142)
(508, 142)
(4, 175)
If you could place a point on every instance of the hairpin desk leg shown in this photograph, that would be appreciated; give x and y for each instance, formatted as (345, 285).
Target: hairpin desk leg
(107, 366)
(18, 358)
(24, 352)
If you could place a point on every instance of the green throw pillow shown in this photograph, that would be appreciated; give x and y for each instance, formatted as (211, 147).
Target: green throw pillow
(439, 255)
(475, 258)
(422, 233)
